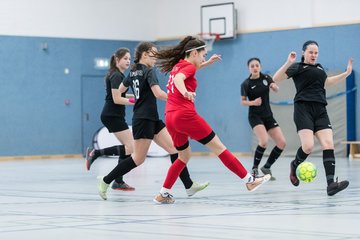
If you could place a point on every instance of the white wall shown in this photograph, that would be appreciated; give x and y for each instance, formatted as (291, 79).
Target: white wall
(161, 19)
(181, 18)
(94, 19)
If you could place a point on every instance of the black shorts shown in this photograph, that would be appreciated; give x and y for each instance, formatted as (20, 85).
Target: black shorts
(269, 122)
(311, 115)
(145, 128)
(114, 124)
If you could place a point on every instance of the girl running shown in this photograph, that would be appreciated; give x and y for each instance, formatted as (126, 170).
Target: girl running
(184, 122)
(113, 116)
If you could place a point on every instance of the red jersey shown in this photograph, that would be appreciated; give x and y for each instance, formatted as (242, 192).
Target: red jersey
(176, 101)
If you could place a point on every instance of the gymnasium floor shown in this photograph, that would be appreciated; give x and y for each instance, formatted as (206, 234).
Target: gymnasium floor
(57, 199)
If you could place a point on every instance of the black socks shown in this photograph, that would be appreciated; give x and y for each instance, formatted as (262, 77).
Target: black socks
(121, 169)
(118, 150)
(300, 157)
(259, 152)
(329, 165)
(274, 155)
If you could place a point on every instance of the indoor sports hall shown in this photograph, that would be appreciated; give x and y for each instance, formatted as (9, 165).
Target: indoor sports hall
(54, 59)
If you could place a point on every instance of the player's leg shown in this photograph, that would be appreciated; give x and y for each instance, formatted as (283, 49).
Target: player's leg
(203, 133)
(233, 164)
(119, 127)
(141, 147)
(263, 138)
(163, 139)
(143, 133)
(307, 144)
(325, 137)
(304, 125)
(127, 139)
(279, 139)
(164, 196)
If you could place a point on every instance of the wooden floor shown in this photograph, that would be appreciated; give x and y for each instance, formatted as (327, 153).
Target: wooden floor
(57, 199)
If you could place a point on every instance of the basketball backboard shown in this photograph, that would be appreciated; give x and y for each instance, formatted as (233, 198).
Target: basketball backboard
(219, 19)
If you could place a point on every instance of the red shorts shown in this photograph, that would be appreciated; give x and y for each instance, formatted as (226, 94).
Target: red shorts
(184, 124)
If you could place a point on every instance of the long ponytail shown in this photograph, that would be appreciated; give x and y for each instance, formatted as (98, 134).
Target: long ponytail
(120, 53)
(168, 57)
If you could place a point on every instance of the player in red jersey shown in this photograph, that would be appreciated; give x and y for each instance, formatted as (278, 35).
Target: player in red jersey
(182, 120)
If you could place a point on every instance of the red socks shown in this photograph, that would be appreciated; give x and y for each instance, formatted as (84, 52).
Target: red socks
(232, 163)
(228, 159)
(173, 173)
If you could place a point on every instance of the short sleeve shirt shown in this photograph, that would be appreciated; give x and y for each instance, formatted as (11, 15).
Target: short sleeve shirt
(113, 81)
(254, 88)
(309, 82)
(141, 79)
(176, 101)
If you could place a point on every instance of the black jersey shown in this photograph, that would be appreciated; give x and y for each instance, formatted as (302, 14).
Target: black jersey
(141, 79)
(309, 82)
(254, 88)
(113, 81)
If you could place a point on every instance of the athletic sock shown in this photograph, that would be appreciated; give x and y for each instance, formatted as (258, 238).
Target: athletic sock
(259, 152)
(120, 170)
(274, 155)
(120, 179)
(300, 157)
(329, 165)
(232, 163)
(118, 150)
(173, 173)
(184, 175)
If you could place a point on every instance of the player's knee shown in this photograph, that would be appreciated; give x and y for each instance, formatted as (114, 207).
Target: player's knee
(263, 141)
(138, 159)
(307, 147)
(328, 145)
(263, 144)
(185, 155)
(281, 144)
(129, 149)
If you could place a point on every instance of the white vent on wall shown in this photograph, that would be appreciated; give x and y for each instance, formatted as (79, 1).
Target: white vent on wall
(101, 63)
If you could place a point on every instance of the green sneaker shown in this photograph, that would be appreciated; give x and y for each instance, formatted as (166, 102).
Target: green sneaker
(102, 187)
(196, 187)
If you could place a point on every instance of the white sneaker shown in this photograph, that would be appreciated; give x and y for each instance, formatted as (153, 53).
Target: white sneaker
(167, 198)
(258, 181)
(196, 187)
(102, 187)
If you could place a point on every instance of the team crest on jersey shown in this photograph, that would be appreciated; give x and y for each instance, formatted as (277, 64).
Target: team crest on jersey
(265, 82)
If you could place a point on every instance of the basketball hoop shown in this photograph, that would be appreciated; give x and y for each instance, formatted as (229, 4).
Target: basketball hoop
(209, 39)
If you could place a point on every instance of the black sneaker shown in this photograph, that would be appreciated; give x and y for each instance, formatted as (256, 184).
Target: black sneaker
(122, 186)
(89, 157)
(336, 187)
(268, 171)
(255, 172)
(293, 178)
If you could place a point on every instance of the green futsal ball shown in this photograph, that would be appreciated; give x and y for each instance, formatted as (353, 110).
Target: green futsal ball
(306, 172)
